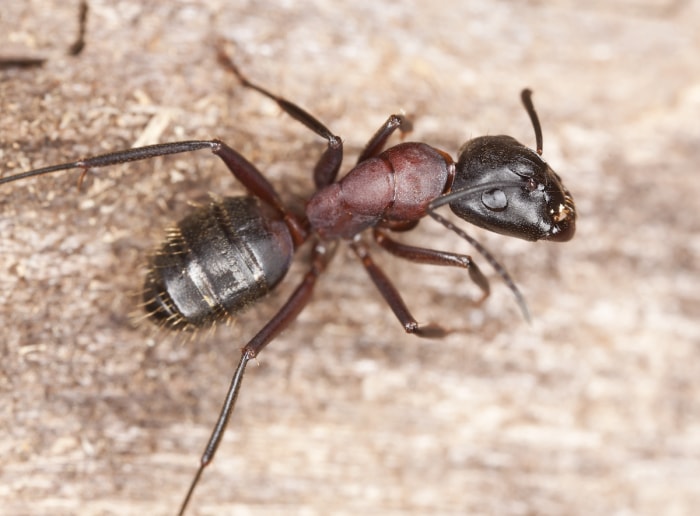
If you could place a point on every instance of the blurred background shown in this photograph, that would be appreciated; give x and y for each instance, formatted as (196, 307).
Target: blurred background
(594, 408)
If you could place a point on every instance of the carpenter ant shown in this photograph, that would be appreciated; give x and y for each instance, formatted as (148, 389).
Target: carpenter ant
(223, 257)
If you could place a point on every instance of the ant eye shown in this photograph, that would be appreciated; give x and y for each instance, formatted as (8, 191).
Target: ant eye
(524, 166)
(495, 200)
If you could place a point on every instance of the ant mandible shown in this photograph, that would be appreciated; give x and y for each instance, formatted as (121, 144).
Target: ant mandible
(223, 257)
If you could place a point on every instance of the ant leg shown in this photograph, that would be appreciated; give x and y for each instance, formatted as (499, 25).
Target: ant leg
(288, 313)
(116, 158)
(239, 166)
(502, 272)
(392, 296)
(376, 143)
(259, 186)
(326, 169)
(435, 257)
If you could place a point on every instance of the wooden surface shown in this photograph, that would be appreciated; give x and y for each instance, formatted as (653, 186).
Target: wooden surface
(592, 409)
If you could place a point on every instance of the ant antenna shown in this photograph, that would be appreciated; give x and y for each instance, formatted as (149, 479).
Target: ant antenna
(526, 97)
(455, 195)
(502, 272)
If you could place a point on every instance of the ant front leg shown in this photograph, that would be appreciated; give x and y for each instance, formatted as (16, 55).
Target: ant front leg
(435, 257)
(393, 298)
(376, 144)
(326, 169)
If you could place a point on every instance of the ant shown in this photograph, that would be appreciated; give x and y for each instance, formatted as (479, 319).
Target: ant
(223, 257)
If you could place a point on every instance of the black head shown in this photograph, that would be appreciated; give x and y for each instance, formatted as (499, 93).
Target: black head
(507, 188)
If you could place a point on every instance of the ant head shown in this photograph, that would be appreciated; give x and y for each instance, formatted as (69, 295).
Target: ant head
(505, 187)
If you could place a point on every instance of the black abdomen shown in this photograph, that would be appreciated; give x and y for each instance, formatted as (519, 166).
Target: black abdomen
(217, 261)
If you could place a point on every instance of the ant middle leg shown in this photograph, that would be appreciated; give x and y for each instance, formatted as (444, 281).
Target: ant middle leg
(435, 257)
(328, 165)
(500, 270)
(393, 298)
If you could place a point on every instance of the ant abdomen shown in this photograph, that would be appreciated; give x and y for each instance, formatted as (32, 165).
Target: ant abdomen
(217, 261)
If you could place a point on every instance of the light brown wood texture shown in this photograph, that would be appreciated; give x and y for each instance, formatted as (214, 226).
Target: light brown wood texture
(594, 408)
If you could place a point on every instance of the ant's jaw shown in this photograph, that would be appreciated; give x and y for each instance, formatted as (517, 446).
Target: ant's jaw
(564, 218)
(561, 213)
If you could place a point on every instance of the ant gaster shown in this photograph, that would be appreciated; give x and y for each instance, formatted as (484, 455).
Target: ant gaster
(225, 256)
